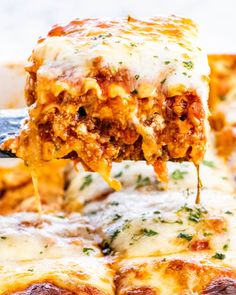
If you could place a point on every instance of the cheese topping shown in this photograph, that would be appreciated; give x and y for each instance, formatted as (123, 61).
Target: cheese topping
(150, 223)
(159, 50)
(85, 187)
(28, 236)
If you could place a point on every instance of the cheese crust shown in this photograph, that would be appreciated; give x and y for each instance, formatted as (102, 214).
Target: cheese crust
(52, 254)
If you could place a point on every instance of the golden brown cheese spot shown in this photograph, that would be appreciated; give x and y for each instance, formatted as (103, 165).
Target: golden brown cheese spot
(221, 286)
(51, 289)
(176, 276)
(44, 289)
(216, 224)
(199, 245)
(141, 291)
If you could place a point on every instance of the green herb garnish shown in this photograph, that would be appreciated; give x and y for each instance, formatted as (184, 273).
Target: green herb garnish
(142, 181)
(210, 164)
(88, 251)
(86, 182)
(188, 64)
(178, 174)
(118, 174)
(149, 232)
(185, 236)
(219, 256)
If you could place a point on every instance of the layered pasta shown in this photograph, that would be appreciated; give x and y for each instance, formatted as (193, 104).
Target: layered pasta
(102, 91)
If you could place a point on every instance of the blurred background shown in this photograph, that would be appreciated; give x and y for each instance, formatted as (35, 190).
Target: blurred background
(23, 21)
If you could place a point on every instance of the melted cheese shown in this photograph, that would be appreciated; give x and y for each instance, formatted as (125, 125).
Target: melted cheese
(73, 274)
(182, 273)
(52, 248)
(28, 236)
(153, 223)
(139, 175)
(154, 49)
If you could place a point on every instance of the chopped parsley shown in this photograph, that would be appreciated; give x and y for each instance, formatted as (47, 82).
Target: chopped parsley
(114, 203)
(136, 77)
(157, 212)
(88, 251)
(3, 238)
(120, 62)
(132, 44)
(149, 232)
(30, 269)
(126, 166)
(142, 181)
(196, 214)
(155, 56)
(135, 91)
(116, 217)
(179, 221)
(178, 174)
(188, 64)
(226, 247)
(61, 216)
(118, 174)
(206, 234)
(163, 81)
(185, 74)
(229, 212)
(167, 62)
(102, 36)
(86, 182)
(185, 236)
(219, 256)
(210, 164)
(115, 234)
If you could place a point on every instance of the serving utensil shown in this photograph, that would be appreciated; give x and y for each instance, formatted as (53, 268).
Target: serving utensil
(11, 121)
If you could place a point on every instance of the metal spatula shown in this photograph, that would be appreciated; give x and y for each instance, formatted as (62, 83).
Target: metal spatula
(10, 123)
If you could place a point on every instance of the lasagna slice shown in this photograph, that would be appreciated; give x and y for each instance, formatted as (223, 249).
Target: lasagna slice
(150, 223)
(166, 244)
(222, 102)
(17, 190)
(51, 254)
(104, 90)
(193, 273)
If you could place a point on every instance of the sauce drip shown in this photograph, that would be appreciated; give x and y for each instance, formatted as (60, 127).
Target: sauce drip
(34, 176)
(199, 185)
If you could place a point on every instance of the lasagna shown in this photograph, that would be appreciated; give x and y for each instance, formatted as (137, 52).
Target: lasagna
(17, 192)
(222, 102)
(102, 91)
(52, 254)
(143, 240)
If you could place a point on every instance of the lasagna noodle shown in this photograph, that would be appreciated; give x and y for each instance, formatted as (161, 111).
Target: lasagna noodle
(108, 90)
